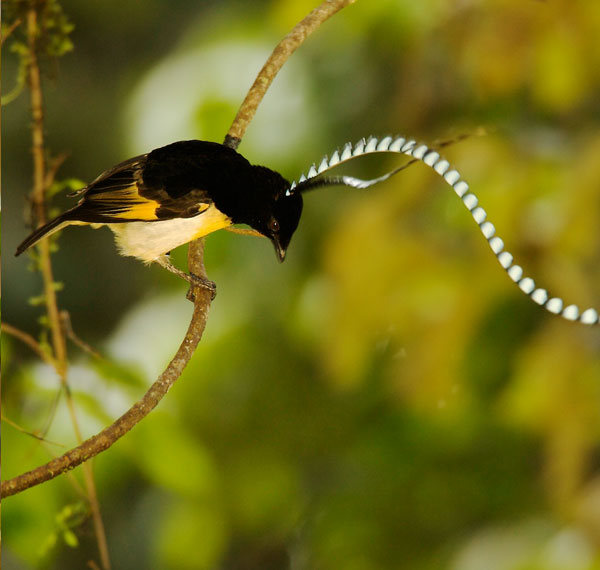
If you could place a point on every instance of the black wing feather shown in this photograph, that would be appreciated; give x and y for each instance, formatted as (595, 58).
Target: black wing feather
(122, 194)
(180, 180)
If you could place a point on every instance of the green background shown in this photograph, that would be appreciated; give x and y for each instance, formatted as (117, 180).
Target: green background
(386, 398)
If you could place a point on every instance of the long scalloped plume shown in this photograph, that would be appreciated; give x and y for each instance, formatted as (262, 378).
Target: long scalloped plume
(432, 158)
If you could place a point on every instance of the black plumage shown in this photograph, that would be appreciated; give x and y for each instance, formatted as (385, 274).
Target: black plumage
(207, 181)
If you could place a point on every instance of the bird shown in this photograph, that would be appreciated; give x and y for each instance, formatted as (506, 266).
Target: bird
(189, 189)
(177, 193)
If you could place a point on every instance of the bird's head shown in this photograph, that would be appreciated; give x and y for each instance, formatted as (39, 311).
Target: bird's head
(280, 212)
(283, 222)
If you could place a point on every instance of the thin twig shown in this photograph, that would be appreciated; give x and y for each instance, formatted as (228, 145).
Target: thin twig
(10, 30)
(52, 412)
(53, 167)
(27, 339)
(41, 177)
(39, 195)
(65, 318)
(14, 93)
(46, 443)
(29, 433)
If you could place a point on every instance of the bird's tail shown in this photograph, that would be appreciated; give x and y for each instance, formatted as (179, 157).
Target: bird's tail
(42, 232)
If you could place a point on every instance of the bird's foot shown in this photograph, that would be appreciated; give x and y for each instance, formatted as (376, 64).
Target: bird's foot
(193, 279)
(197, 281)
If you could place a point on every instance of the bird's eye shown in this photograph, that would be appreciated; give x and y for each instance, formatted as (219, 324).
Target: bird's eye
(274, 225)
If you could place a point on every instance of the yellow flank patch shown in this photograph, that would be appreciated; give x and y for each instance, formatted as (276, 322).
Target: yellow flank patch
(212, 221)
(142, 210)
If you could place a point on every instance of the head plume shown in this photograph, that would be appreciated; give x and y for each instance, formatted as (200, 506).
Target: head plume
(431, 157)
(313, 178)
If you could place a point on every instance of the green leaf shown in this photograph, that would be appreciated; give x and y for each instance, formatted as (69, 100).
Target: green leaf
(67, 184)
(70, 538)
(37, 301)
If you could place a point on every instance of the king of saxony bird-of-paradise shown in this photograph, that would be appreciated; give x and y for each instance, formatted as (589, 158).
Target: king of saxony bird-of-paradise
(186, 190)
(158, 201)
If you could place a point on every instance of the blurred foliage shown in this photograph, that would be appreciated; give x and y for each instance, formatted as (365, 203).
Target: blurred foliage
(386, 399)
(51, 38)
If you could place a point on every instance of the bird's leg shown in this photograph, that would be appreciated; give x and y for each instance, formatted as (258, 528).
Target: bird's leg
(191, 278)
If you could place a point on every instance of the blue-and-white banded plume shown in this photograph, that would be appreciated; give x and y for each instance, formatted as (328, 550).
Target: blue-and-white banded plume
(451, 176)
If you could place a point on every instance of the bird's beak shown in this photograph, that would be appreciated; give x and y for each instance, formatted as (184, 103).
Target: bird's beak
(279, 250)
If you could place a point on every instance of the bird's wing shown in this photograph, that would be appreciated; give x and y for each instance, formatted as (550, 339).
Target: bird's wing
(121, 195)
(173, 190)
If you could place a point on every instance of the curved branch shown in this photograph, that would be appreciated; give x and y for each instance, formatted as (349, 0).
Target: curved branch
(202, 297)
(103, 440)
(280, 55)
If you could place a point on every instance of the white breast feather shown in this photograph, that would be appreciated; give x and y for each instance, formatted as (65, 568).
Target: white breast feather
(149, 240)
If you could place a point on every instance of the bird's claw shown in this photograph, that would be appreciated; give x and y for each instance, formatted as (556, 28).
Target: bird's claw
(198, 281)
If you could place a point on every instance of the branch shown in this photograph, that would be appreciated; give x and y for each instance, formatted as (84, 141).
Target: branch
(42, 179)
(103, 440)
(30, 342)
(65, 318)
(280, 55)
(10, 30)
